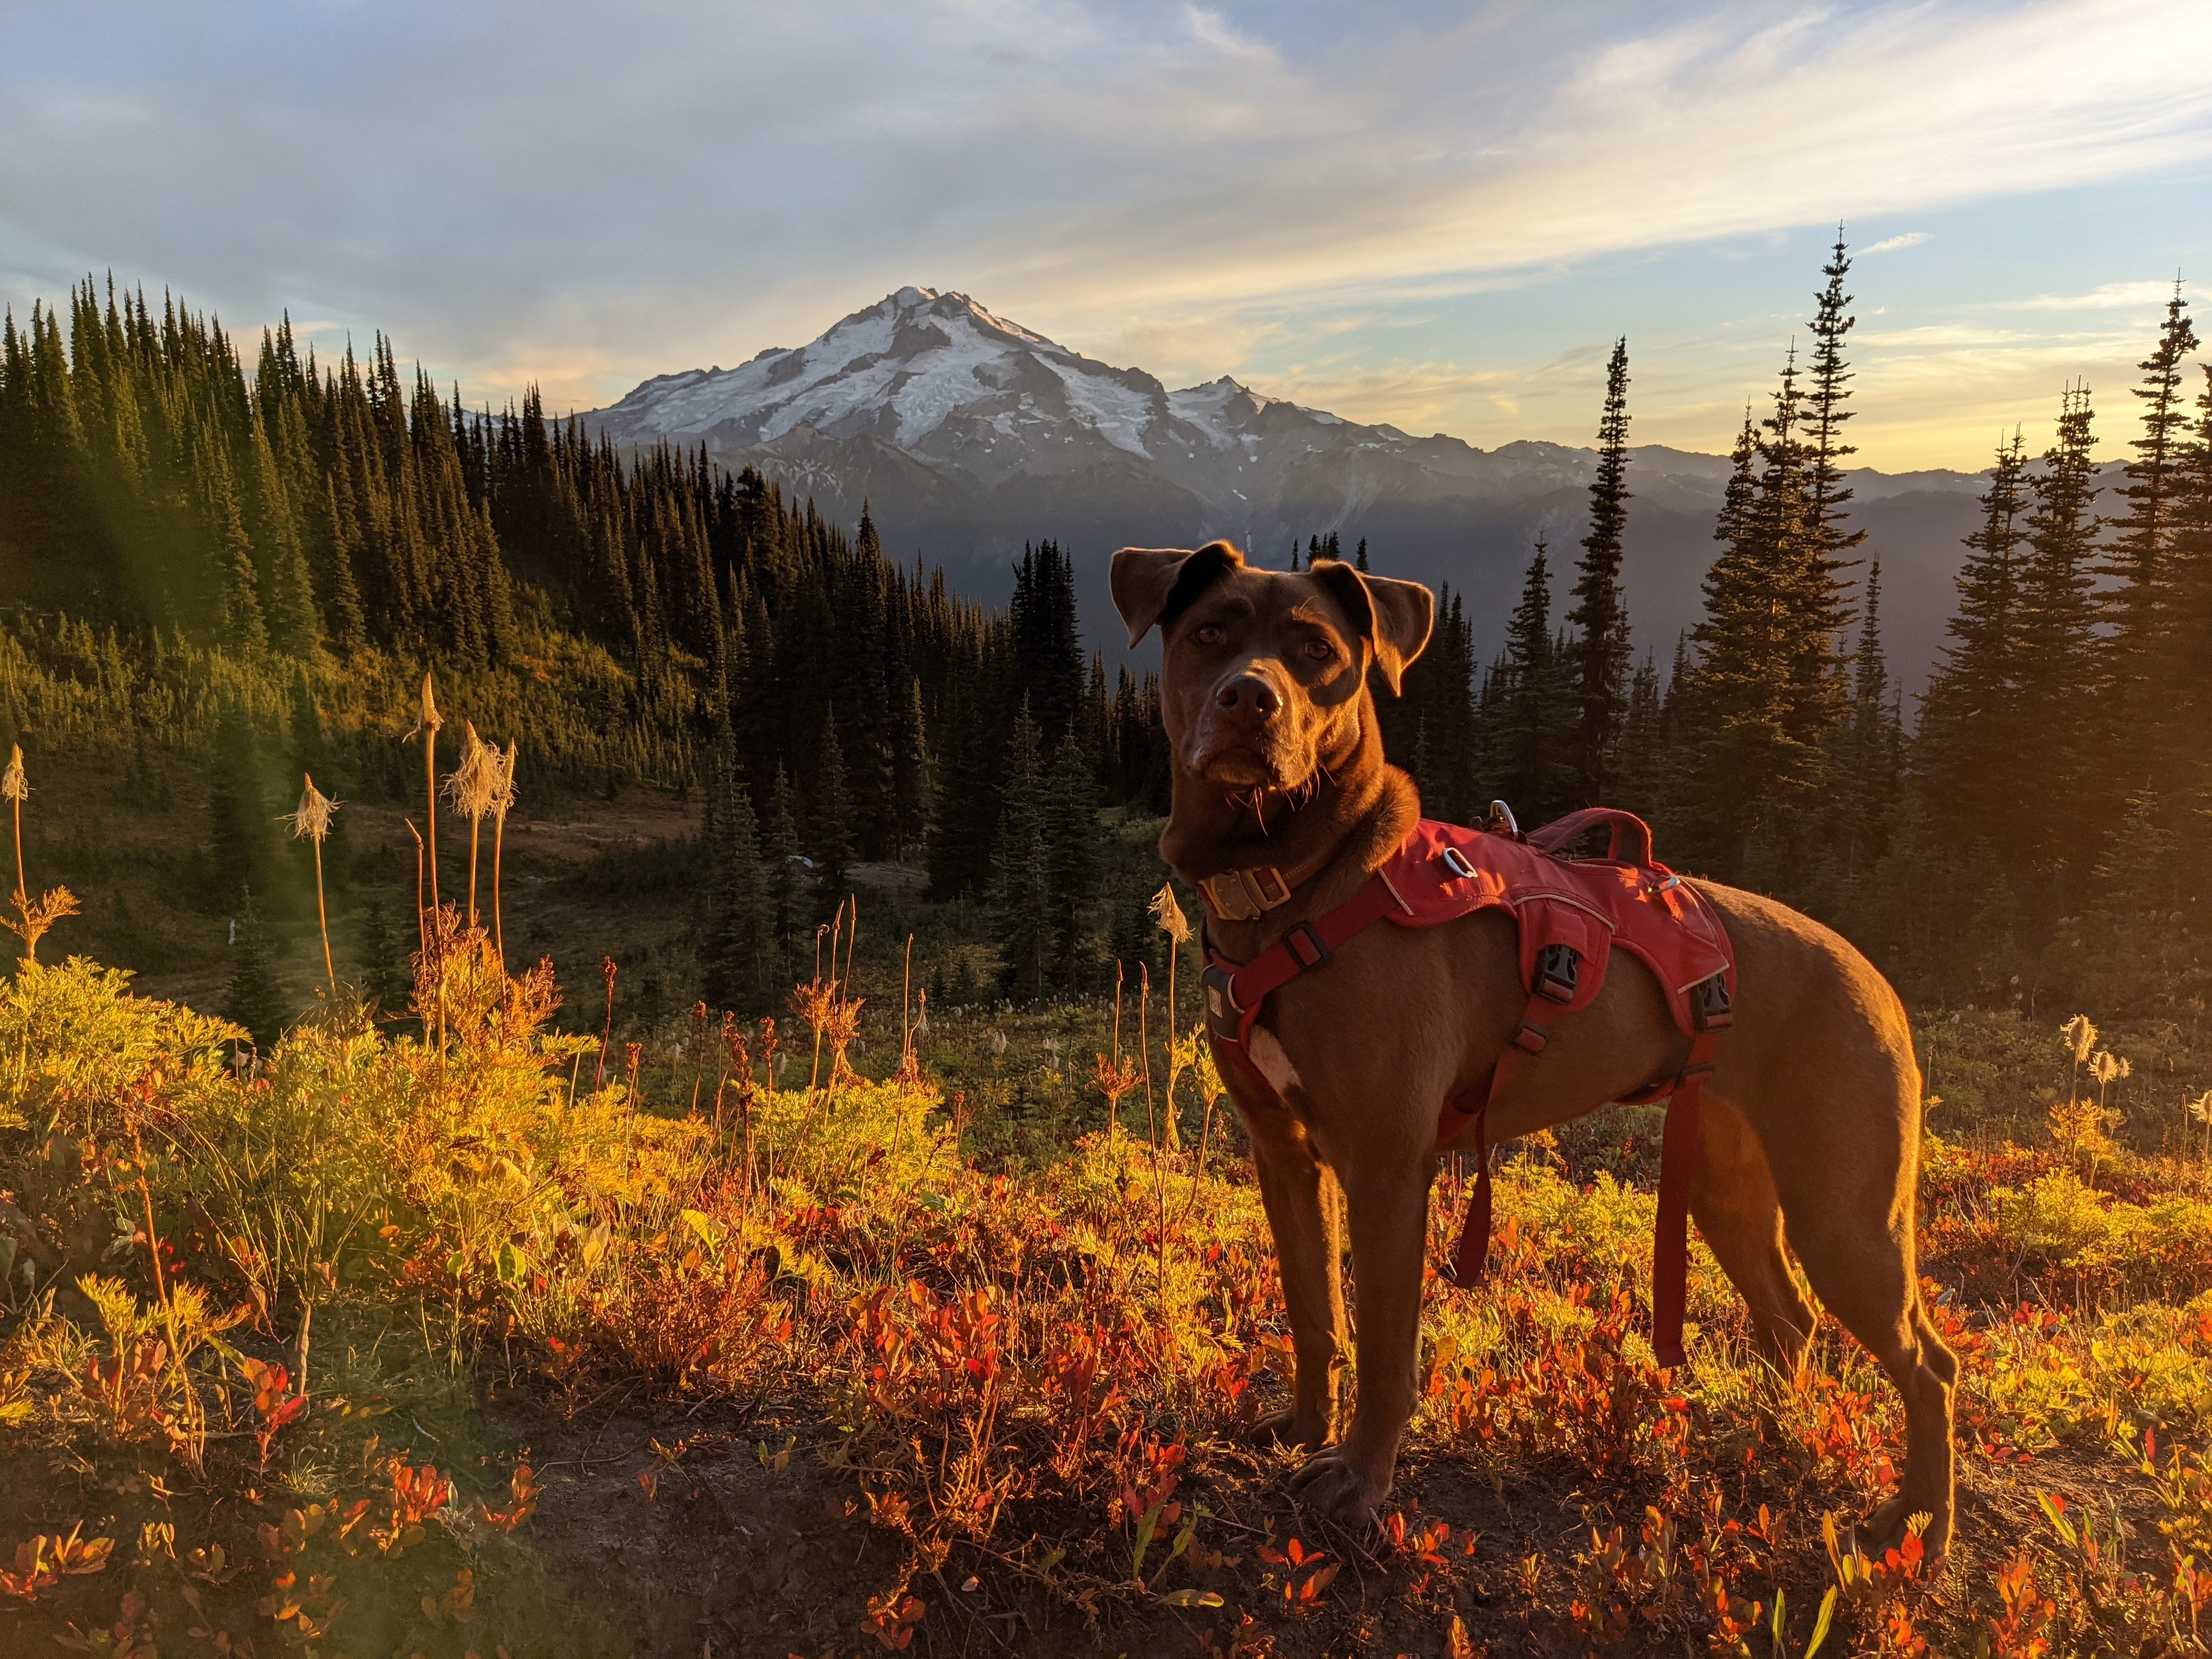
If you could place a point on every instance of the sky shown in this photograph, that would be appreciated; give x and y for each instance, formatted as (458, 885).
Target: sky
(1438, 215)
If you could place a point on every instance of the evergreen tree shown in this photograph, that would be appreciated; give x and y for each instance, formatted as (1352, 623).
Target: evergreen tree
(2057, 633)
(255, 999)
(1827, 498)
(786, 888)
(1021, 877)
(742, 926)
(1972, 757)
(1600, 616)
(1071, 864)
(1872, 753)
(241, 835)
(1527, 710)
(910, 776)
(2141, 557)
(831, 842)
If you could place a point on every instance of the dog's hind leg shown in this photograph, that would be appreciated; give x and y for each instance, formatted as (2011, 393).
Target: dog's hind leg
(1847, 1199)
(1740, 1218)
(1300, 1197)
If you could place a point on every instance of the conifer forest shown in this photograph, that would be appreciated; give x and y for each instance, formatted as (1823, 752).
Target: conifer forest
(598, 1062)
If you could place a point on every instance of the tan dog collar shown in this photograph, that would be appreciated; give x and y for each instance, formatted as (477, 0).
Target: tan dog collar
(1246, 894)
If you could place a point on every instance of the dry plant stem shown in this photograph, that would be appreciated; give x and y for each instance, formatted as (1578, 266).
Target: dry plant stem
(906, 1000)
(498, 927)
(22, 892)
(422, 926)
(1145, 1048)
(323, 916)
(1159, 1161)
(430, 789)
(599, 1070)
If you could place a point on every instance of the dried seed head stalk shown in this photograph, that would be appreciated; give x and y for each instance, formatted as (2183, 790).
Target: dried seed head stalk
(427, 718)
(2080, 1036)
(33, 916)
(1169, 915)
(312, 821)
(503, 800)
(473, 786)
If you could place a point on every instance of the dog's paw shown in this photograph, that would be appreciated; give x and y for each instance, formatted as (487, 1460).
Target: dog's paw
(1332, 1484)
(1285, 1429)
(1890, 1524)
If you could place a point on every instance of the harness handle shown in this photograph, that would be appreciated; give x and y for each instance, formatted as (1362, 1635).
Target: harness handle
(1632, 836)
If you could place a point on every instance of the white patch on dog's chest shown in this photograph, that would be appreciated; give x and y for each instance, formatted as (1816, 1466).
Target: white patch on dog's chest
(1266, 1052)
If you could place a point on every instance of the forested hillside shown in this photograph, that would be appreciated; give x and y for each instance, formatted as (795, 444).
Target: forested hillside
(252, 569)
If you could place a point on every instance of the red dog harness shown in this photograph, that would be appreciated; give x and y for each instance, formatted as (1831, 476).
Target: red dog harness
(1572, 914)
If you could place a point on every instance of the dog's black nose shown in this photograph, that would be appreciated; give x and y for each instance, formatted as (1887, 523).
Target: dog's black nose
(1247, 693)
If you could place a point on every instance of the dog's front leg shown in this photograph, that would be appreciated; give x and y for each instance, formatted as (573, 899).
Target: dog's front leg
(1297, 1190)
(1389, 1205)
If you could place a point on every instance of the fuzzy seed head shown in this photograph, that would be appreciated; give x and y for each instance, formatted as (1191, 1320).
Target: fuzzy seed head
(428, 719)
(312, 821)
(472, 786)
(1169, 915)
(2081, 1037)
(13, 785)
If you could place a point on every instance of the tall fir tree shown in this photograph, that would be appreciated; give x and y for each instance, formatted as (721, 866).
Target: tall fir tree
(787, 892)
(1972, 761)
(2138, 562)
(2059, 617)
(1071, 859)
(1599, 616)
(1021, 880)
(1528, 711)
(830, 840)
(254, 999)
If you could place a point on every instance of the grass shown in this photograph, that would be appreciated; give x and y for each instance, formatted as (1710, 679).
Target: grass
(458, 1336)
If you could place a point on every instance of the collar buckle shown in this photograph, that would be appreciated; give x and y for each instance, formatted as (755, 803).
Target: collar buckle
(1245, 895)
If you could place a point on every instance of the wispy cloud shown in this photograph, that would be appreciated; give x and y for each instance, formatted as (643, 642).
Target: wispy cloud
(2110, 296)
(583, 195)
(1895, 244)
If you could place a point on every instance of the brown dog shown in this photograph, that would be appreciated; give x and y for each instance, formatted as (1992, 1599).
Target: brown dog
(1812, 1117)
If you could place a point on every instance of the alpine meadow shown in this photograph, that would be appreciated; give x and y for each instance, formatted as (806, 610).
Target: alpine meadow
(602, 1059)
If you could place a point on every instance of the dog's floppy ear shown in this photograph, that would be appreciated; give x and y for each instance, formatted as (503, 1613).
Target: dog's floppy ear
(1395, 616)
(1156, 585)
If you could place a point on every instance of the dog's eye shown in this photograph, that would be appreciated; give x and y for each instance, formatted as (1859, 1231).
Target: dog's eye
(1320, 650)
(1209, 635)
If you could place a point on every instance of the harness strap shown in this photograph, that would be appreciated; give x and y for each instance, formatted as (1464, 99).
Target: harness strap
(1528, 1037)
(1678, 1166)
(1234, 992)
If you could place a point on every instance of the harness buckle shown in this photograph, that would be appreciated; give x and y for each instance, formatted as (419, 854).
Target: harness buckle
(1557, 969)
(1710, 1005)
(1305, 946)
(1223, 1015)
(1529, 1037)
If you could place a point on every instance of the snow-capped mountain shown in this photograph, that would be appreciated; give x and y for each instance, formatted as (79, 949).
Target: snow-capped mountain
(970, 434)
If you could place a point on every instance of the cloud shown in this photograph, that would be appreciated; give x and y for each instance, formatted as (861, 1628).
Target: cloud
(1895, 244)
(2112, 296)
(581, 195)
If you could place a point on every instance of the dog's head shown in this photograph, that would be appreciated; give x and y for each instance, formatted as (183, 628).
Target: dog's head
(1264, 672)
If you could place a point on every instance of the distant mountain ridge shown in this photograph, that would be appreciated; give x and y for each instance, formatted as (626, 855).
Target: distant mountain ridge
(970, 434)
